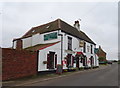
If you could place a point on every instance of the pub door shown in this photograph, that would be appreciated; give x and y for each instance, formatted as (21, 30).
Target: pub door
(69, 60)
(77, 62)
(84, 62)
(51, 60)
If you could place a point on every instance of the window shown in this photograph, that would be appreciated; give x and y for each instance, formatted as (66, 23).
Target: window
(88, 49)
(84, 48)
(91, 49)
(69, 43)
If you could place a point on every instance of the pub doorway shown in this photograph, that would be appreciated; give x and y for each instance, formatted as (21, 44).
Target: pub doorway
(69, 60)
(50, 60)
(77, 62)
(91, 60)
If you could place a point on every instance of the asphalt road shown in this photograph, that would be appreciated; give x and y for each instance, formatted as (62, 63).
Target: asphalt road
(102, 77)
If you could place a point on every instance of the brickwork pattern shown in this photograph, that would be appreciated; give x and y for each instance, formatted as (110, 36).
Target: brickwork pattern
(18, 63)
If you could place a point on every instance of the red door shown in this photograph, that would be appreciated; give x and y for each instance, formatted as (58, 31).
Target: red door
(50, 60)
(55, 60)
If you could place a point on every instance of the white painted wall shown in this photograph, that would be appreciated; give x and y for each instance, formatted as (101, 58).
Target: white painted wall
(76, 48)
(27, 42)
(39, 39)
(36, 39)
(88, 54)
(43, 56)
(97, 61)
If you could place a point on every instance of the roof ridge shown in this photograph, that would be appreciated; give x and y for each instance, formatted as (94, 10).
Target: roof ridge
(86, 36)
(101, 49)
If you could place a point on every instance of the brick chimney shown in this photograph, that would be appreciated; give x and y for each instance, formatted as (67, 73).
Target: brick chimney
(19, 44)
(77, 25)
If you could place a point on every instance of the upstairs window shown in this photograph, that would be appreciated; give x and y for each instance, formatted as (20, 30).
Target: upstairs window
(88, 48)
(91, 49)
(84, 48)
(69, 43)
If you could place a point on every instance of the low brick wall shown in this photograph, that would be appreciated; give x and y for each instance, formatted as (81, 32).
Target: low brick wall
(18, 63)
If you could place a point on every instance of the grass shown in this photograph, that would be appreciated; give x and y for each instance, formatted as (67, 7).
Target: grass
(119, 62)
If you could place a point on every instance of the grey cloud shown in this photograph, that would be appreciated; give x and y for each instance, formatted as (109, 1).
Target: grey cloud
(99, 20)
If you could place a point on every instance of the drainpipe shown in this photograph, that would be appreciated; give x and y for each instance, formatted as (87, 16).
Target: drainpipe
(61, 46)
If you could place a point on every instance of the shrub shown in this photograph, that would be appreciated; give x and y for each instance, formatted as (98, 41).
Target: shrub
(102, 59)
(81, 68)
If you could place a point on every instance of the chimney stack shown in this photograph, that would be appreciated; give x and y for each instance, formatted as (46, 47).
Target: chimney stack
(77, 25)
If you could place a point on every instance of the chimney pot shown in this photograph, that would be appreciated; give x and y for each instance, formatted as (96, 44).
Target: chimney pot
(77, 25)
(76, 21)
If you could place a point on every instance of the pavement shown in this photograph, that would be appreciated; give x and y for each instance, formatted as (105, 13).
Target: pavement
(52, 79)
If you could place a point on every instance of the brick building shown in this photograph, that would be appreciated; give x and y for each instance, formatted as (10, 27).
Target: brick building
(101, 54)
(58, 42)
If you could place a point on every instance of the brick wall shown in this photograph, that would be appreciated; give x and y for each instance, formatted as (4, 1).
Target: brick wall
(102, 54)
(18, 63)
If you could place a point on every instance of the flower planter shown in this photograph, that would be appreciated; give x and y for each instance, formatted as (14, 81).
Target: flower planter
(44, 62)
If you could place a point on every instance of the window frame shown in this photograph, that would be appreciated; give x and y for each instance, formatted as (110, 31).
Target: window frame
(84, 47)
(91, 49)
(69, 43)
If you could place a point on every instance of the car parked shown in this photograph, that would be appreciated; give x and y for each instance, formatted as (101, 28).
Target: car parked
(109, 62)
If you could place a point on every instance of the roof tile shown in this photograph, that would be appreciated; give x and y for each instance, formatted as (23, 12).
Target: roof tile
(58, 25)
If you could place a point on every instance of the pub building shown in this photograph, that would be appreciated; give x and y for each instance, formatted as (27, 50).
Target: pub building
(59, 43)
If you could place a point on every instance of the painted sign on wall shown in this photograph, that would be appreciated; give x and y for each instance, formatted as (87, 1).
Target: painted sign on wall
(50, 36)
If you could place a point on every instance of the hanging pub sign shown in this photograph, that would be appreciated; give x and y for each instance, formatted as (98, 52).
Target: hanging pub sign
(96, 50)
(81, 43)
(50, 36)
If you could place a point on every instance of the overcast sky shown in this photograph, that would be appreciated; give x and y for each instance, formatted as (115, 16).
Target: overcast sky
(99, 20)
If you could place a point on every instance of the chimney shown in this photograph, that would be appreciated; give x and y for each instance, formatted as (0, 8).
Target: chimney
(77, 25)
(19, 44)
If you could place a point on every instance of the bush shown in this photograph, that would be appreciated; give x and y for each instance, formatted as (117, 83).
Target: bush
(95, 67)
(81, 68)
(102, 59)
(118, 61)
(65, 70)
